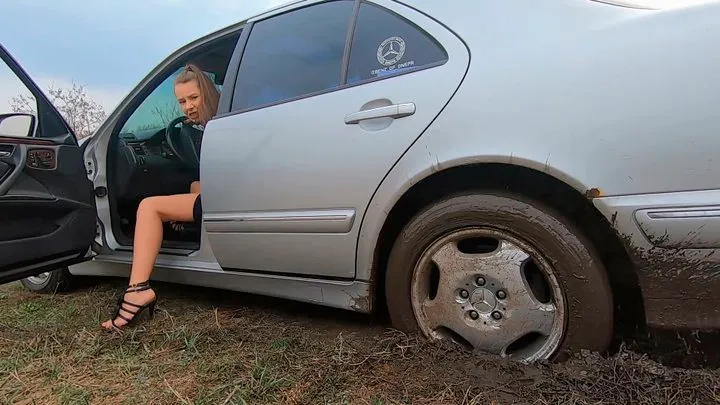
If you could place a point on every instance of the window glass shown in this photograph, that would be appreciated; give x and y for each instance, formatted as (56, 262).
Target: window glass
(293, 54)
(158, 109)
(385, 44)
(17, 98)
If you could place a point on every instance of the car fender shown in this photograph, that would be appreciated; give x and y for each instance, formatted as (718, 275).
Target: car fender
(421, 162)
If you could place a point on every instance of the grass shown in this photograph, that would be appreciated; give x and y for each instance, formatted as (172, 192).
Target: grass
(210, 347)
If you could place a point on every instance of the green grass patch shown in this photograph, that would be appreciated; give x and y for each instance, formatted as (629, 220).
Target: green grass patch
(208, 347)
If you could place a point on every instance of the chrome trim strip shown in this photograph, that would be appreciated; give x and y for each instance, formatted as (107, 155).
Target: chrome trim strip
(699, 213)
(299, 221)
(627, 4)
(690, 227)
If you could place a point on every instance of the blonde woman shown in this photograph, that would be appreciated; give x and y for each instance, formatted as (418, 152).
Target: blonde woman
(198, 98)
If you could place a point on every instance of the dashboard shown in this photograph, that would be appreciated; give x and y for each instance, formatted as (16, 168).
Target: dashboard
(145, 166)
(149, 143)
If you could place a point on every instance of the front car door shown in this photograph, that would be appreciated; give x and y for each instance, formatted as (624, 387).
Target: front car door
(47, 204)
(319, 113)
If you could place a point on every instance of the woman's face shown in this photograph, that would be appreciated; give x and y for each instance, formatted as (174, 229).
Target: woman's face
(189, 97)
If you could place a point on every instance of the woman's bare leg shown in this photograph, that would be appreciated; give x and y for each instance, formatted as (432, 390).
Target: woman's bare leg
(152, 212)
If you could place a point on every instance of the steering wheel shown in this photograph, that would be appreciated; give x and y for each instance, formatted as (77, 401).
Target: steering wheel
(182, 142)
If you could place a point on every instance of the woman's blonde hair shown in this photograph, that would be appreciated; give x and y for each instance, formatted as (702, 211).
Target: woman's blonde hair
(209, 93)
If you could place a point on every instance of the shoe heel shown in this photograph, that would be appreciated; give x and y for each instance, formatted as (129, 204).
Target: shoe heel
(151, 309)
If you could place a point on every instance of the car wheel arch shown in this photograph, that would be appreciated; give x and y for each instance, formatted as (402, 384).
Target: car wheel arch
(570, 200)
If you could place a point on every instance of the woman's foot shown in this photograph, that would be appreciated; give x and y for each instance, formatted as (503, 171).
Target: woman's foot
(137, 297)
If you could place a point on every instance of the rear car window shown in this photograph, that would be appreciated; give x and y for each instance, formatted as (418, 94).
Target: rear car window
(386, 44)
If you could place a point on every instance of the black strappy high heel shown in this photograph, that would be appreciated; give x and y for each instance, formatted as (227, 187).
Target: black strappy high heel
(145, 285)
(177, 226)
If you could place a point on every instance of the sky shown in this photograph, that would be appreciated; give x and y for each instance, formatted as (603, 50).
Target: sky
(108, 46)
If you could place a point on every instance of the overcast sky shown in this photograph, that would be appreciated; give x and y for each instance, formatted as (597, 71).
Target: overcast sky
(106, 45)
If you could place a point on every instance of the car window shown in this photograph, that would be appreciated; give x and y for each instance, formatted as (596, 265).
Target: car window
(293, 54)
(158, 109)
(385, 44)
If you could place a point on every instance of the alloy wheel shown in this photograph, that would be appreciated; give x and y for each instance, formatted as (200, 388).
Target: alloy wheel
(489, 291)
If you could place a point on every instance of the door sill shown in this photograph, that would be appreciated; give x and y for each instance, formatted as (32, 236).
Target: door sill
(164, 251)
(167, 247)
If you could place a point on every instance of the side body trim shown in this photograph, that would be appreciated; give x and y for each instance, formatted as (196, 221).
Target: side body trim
(300, 221)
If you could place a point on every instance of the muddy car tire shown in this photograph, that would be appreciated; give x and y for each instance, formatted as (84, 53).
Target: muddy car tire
(54, 281)
(537, 252)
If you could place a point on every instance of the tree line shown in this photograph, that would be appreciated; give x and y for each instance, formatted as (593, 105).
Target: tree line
(81, 112)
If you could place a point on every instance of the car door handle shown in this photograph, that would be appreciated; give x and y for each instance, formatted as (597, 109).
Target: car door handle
(4, 154)
(391, 111)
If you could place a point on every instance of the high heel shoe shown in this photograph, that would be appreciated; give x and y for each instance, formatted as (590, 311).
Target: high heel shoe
(177, 226)
(123, 305)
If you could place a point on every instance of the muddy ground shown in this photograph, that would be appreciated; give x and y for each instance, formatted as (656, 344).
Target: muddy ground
(215, 347)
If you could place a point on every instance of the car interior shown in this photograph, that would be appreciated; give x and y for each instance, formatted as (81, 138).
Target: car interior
(157, 159)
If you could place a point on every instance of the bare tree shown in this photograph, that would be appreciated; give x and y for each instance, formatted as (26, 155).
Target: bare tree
(163, 112)
(167, 112)
(81, 112)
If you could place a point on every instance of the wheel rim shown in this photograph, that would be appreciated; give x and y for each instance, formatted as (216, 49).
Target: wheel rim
(40, 279)
(489, 291)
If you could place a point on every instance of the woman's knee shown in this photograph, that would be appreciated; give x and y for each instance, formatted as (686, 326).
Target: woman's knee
(178, 207)
(195, 187)
(148, 206)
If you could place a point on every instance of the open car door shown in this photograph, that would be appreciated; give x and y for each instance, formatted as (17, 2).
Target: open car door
(47, 205)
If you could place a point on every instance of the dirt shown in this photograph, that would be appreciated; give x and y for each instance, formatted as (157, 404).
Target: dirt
(216, 347)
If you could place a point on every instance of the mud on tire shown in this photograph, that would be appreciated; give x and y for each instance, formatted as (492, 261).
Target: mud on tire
(577, 269)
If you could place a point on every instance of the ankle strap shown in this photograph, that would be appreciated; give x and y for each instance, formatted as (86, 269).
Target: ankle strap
(142, 286)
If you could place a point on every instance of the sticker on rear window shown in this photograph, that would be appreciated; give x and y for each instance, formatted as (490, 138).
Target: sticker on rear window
(389, 53)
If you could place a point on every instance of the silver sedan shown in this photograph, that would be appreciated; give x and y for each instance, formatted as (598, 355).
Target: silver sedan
(522, 177)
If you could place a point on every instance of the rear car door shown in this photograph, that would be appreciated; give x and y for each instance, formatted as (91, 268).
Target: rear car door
(47, 204)
(328, 96)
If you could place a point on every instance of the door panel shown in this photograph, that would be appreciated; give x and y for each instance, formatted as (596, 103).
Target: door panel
(47, 211)
(285, 186)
